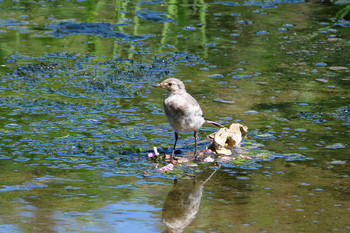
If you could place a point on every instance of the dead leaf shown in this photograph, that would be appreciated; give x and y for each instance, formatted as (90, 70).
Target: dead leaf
(223, 151)
(208, 159)
(226, 138)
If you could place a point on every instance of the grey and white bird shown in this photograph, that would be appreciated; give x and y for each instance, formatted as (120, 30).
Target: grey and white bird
(182, 110)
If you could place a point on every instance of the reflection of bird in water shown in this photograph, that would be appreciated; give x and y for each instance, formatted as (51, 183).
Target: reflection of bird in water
(182, 110)
(182, 204)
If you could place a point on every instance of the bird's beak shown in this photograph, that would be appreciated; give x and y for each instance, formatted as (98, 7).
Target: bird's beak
(157, 85)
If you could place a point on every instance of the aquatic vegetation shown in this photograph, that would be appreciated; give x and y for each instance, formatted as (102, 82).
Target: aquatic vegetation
(344, 113)
(153, 16)
(62, 29)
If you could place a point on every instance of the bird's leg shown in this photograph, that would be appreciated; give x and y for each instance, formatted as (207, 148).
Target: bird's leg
(173, 152)
(195, 143)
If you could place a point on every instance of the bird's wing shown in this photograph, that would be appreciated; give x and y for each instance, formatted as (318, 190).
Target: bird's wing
(182, 105)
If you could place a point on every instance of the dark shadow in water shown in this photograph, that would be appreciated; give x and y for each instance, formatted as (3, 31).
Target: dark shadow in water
(182, 203)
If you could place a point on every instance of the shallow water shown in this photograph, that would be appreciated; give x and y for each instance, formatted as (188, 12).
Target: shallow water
(79, 114)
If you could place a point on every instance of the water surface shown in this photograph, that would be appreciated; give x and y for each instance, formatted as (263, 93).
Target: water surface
(79, 114)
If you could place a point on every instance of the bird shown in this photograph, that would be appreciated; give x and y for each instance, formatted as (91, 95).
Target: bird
(182, 111)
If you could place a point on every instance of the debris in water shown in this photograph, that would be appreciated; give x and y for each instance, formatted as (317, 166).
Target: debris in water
(166, 168)
(153, 154)
(227, 137)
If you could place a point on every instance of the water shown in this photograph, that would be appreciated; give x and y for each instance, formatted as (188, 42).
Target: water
(79, 114)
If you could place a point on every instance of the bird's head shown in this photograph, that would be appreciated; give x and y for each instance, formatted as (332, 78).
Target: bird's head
(171, 84)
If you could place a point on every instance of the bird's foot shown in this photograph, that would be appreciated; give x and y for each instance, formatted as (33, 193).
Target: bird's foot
(198, 156)
(194, 157)
(171, 158)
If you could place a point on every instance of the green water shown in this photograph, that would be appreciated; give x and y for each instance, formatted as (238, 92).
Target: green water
(78, 115)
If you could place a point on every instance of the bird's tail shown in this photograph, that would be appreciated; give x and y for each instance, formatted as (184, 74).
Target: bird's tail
(213, 123)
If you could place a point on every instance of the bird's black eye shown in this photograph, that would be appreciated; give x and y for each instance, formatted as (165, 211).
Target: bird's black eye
(169, 84)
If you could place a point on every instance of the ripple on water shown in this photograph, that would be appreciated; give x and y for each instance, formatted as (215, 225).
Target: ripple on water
(265, 136)
(190, 28)
(336, 146)
(216, 76)
(251, 112)
(224, 101)
(321, 64)
(263, 32)
(13, 125)
(338, 162)
(241, 76)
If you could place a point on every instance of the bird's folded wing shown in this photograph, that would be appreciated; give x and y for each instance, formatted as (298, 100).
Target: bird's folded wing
(182, 105)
